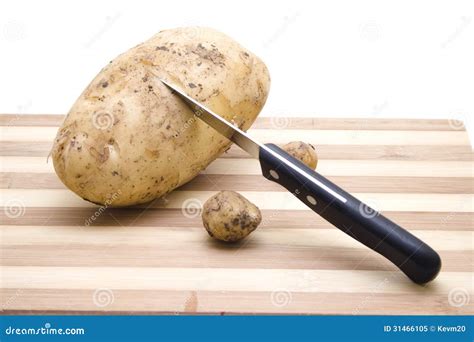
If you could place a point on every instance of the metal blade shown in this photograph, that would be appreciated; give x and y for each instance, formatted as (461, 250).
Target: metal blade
(241, 138)
(221, 125)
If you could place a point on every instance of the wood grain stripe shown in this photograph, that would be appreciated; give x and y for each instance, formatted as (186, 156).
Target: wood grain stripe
(57, 249)
(18, 180)
(161, 237)
(406, 168)
(276, 122)
(250, 257)
(344, 152)
(159, 217)
(278, 200)
(221, 279)
(333, 137)
(66, 301)
(266, 248)
(376, 151)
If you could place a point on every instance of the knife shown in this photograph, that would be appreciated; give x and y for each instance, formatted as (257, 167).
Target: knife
(411, 255)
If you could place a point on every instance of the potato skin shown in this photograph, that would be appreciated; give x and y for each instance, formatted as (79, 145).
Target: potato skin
(303, 152)
(127, 133)
(230, 217)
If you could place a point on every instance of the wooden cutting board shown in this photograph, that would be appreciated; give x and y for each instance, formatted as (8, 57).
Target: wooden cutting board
(157, 258)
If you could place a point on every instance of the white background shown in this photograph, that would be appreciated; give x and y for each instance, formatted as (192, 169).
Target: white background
(407, 59)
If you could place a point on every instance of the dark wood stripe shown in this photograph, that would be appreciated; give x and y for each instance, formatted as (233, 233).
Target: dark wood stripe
(432, 185)
(71, 302)
(277, 123)
(25, 148)
(41, 120)
(271, 218)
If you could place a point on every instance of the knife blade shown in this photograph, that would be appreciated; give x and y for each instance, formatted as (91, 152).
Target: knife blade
(241, 138)
(411, 255)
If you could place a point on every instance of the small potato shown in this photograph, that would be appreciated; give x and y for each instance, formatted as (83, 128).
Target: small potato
(303, 152)
(228, 216)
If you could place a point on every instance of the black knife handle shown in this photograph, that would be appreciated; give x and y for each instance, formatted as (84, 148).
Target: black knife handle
(411, 255)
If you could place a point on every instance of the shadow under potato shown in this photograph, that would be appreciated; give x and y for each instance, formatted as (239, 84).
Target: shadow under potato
(235, 245)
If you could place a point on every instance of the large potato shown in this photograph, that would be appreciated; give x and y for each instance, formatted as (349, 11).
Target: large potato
(128, 139)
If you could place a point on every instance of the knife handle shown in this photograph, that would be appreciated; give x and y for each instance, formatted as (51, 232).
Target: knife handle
(411, 255)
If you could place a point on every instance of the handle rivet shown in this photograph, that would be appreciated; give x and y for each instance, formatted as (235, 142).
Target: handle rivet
(274, 174)
(311, 200)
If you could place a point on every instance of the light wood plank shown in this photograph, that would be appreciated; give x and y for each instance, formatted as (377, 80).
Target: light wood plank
(53, 120)
(266, 248)
(334, 137)
(222, 279)
(344, 152)
(277, 122)
(434, 185)
(156, 259)
(45, 301)
(406, 168)
(278, 200)
(170, 236)
(209, 254)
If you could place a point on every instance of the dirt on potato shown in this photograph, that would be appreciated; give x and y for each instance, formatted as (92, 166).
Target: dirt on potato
(229, 216)
(302, 151)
